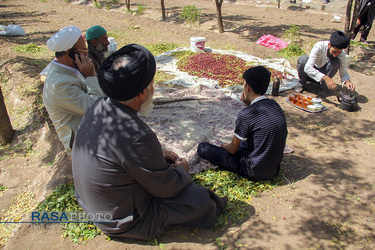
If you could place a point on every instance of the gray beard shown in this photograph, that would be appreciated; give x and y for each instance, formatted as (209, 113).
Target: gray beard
(147, 106)
(100, 48)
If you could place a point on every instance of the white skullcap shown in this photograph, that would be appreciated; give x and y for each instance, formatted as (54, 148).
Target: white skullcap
(64, 39)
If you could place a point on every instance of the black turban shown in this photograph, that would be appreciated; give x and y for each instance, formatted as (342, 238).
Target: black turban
(127, 82)
(339, 40)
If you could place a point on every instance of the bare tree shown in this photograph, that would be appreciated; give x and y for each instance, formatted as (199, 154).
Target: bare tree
(6, 130)
(163, 10)
(219, 16)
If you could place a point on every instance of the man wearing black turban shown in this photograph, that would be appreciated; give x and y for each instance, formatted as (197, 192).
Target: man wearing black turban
(325, 59)
(121, 173)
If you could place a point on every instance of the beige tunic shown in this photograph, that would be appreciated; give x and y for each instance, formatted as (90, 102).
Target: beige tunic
(66, 96)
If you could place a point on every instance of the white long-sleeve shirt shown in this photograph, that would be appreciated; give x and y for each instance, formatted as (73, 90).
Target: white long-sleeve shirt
(318, 57)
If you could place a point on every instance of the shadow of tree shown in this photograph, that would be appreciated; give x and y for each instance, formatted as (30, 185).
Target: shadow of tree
(332, 217)
(187, 234)
(364, 62)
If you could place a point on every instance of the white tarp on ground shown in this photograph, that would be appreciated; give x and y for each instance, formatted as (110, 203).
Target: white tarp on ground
(165, 62)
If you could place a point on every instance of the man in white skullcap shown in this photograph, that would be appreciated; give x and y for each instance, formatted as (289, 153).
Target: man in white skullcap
(71, 86)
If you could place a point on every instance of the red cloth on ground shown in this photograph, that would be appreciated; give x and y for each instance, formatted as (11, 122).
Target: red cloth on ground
(272, 42)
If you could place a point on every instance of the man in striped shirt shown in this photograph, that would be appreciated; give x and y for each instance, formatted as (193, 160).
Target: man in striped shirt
(260, 134)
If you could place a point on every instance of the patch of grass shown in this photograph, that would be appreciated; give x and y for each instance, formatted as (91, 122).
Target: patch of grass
(238, 190)
(108, 5)
(157, 49)
(292, 35)
(63, 199)
(140, 10)
(116, 34)
(190, 14)
(291, 51)
(2, 187)
(360, 44)
(97, 5)
(29, 48)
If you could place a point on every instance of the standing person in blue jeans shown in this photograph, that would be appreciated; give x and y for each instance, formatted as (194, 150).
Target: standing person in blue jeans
(260, 134)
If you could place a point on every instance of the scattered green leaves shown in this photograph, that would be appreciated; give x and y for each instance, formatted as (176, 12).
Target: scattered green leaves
(157, 49)
(21, 205)
(181, 55)
(29, 48)
(161, 77)
(291, 51)
(63, 199)
(238, 190)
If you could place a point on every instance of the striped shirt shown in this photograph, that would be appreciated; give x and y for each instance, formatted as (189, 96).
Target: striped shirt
(263, 126)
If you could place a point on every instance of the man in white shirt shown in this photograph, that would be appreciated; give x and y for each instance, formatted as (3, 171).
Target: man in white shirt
(325, 59)
(71, 86)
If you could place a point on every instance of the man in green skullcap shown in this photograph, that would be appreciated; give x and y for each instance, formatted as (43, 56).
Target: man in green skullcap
(97, 41)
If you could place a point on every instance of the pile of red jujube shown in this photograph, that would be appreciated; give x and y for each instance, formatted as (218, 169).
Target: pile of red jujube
(226, 69)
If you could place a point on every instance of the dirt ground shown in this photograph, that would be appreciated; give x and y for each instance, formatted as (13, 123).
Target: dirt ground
(329, 201)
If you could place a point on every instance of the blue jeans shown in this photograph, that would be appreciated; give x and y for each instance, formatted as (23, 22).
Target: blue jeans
(223, 159)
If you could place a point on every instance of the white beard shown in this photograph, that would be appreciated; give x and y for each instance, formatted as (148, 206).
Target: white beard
(101, 48)
(147, 106)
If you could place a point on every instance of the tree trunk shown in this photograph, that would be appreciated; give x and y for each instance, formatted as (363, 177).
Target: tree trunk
(355, 15)
(348, 16)
(127, 2)
(6, 130)
(163, 10)
(219, 16)
(349, 27)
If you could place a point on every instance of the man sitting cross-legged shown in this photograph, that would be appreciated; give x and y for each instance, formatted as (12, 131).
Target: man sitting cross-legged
(119, 166)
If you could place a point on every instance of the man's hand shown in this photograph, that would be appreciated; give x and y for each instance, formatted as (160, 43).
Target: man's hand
(183, 163)
(349, 85)
(330, 83)
(242, 98)
(85, 65)
(170, 156)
